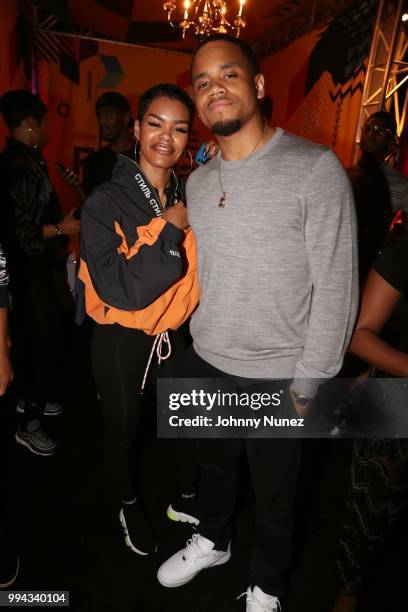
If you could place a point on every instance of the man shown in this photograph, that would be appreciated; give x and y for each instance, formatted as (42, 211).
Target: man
(378, 140)
(114, 117)
(32, 232)
(379, 190)
(275, 229)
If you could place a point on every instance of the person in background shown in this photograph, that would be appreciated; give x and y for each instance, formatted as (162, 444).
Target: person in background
(9, 560)
(114, 118)
(378, 139)
(379, 190)
(32, 232)
(138, 267)
(378, 492)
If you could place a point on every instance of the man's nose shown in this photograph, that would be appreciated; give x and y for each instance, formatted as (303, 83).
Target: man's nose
(217, 88)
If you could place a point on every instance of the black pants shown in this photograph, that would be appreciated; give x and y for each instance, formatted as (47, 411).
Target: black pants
(274, 466)
(36, 328)
(119, 358)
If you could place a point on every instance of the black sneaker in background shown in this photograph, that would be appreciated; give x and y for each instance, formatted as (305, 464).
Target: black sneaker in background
(33, 437)
(139, 536)
(184, 509)
(51, 408)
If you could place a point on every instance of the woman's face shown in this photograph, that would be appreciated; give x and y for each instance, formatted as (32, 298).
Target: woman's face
(163, 133)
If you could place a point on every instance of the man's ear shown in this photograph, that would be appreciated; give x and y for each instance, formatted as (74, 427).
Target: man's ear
(29, 124)
(127, 120)
(136, 129)
(260, 86)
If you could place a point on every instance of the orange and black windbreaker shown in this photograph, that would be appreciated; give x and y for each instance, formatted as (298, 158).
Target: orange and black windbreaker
(139, 270)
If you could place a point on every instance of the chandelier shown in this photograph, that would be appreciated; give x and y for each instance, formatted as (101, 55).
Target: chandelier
(207, 17)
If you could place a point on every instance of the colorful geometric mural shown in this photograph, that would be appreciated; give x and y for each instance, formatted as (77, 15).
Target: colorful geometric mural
(72, 73)
(316, 83)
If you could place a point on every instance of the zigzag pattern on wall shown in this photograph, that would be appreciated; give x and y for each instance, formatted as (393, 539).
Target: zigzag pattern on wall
(343, 94)
(339, 108)
(344, 45)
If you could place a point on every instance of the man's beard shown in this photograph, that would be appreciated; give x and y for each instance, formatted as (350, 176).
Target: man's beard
(106, 135)
(227, 127)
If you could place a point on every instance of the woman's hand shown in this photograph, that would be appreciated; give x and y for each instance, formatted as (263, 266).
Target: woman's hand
(177, 215)
(69, 225)
(70, 178)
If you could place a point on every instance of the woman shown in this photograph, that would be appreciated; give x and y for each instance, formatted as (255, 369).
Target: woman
(138, 266)
(379, 480)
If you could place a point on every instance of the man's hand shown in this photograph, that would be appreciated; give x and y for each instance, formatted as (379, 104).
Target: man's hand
(212, 148)
(177, 215)
(301, 404)
(69, 225)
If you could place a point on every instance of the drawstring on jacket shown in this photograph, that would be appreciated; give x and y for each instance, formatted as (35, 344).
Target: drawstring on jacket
(159, 340)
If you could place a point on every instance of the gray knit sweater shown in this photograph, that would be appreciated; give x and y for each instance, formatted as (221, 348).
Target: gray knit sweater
(278, 266)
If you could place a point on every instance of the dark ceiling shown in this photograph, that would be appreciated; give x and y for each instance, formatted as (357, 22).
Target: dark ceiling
(270, 23)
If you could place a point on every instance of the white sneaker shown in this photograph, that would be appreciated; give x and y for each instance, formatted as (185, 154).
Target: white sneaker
(258, 601)
(188, 562)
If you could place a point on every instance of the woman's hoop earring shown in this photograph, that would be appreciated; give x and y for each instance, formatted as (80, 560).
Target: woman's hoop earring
(177, 194)
(137, 151)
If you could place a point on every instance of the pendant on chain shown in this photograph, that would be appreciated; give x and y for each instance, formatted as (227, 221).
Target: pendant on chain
(223, 200)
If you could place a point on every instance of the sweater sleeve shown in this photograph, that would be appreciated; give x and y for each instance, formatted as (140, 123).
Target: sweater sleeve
(329, 229)
(128, 276)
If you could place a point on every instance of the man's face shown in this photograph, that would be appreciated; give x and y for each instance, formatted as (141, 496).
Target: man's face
(376, 137)
(112, 122)
(225, 89)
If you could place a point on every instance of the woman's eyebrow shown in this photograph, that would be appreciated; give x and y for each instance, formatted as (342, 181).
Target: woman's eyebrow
(163, 119)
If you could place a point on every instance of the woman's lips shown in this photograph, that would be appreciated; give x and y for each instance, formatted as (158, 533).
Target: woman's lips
(163, 149)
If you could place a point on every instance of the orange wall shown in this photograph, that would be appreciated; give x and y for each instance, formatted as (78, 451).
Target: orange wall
(317, 117)
(71, 134)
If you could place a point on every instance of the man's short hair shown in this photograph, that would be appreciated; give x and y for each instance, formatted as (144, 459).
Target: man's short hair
(246, 49)
(115, 100)
(19, 104)
(386, 119)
